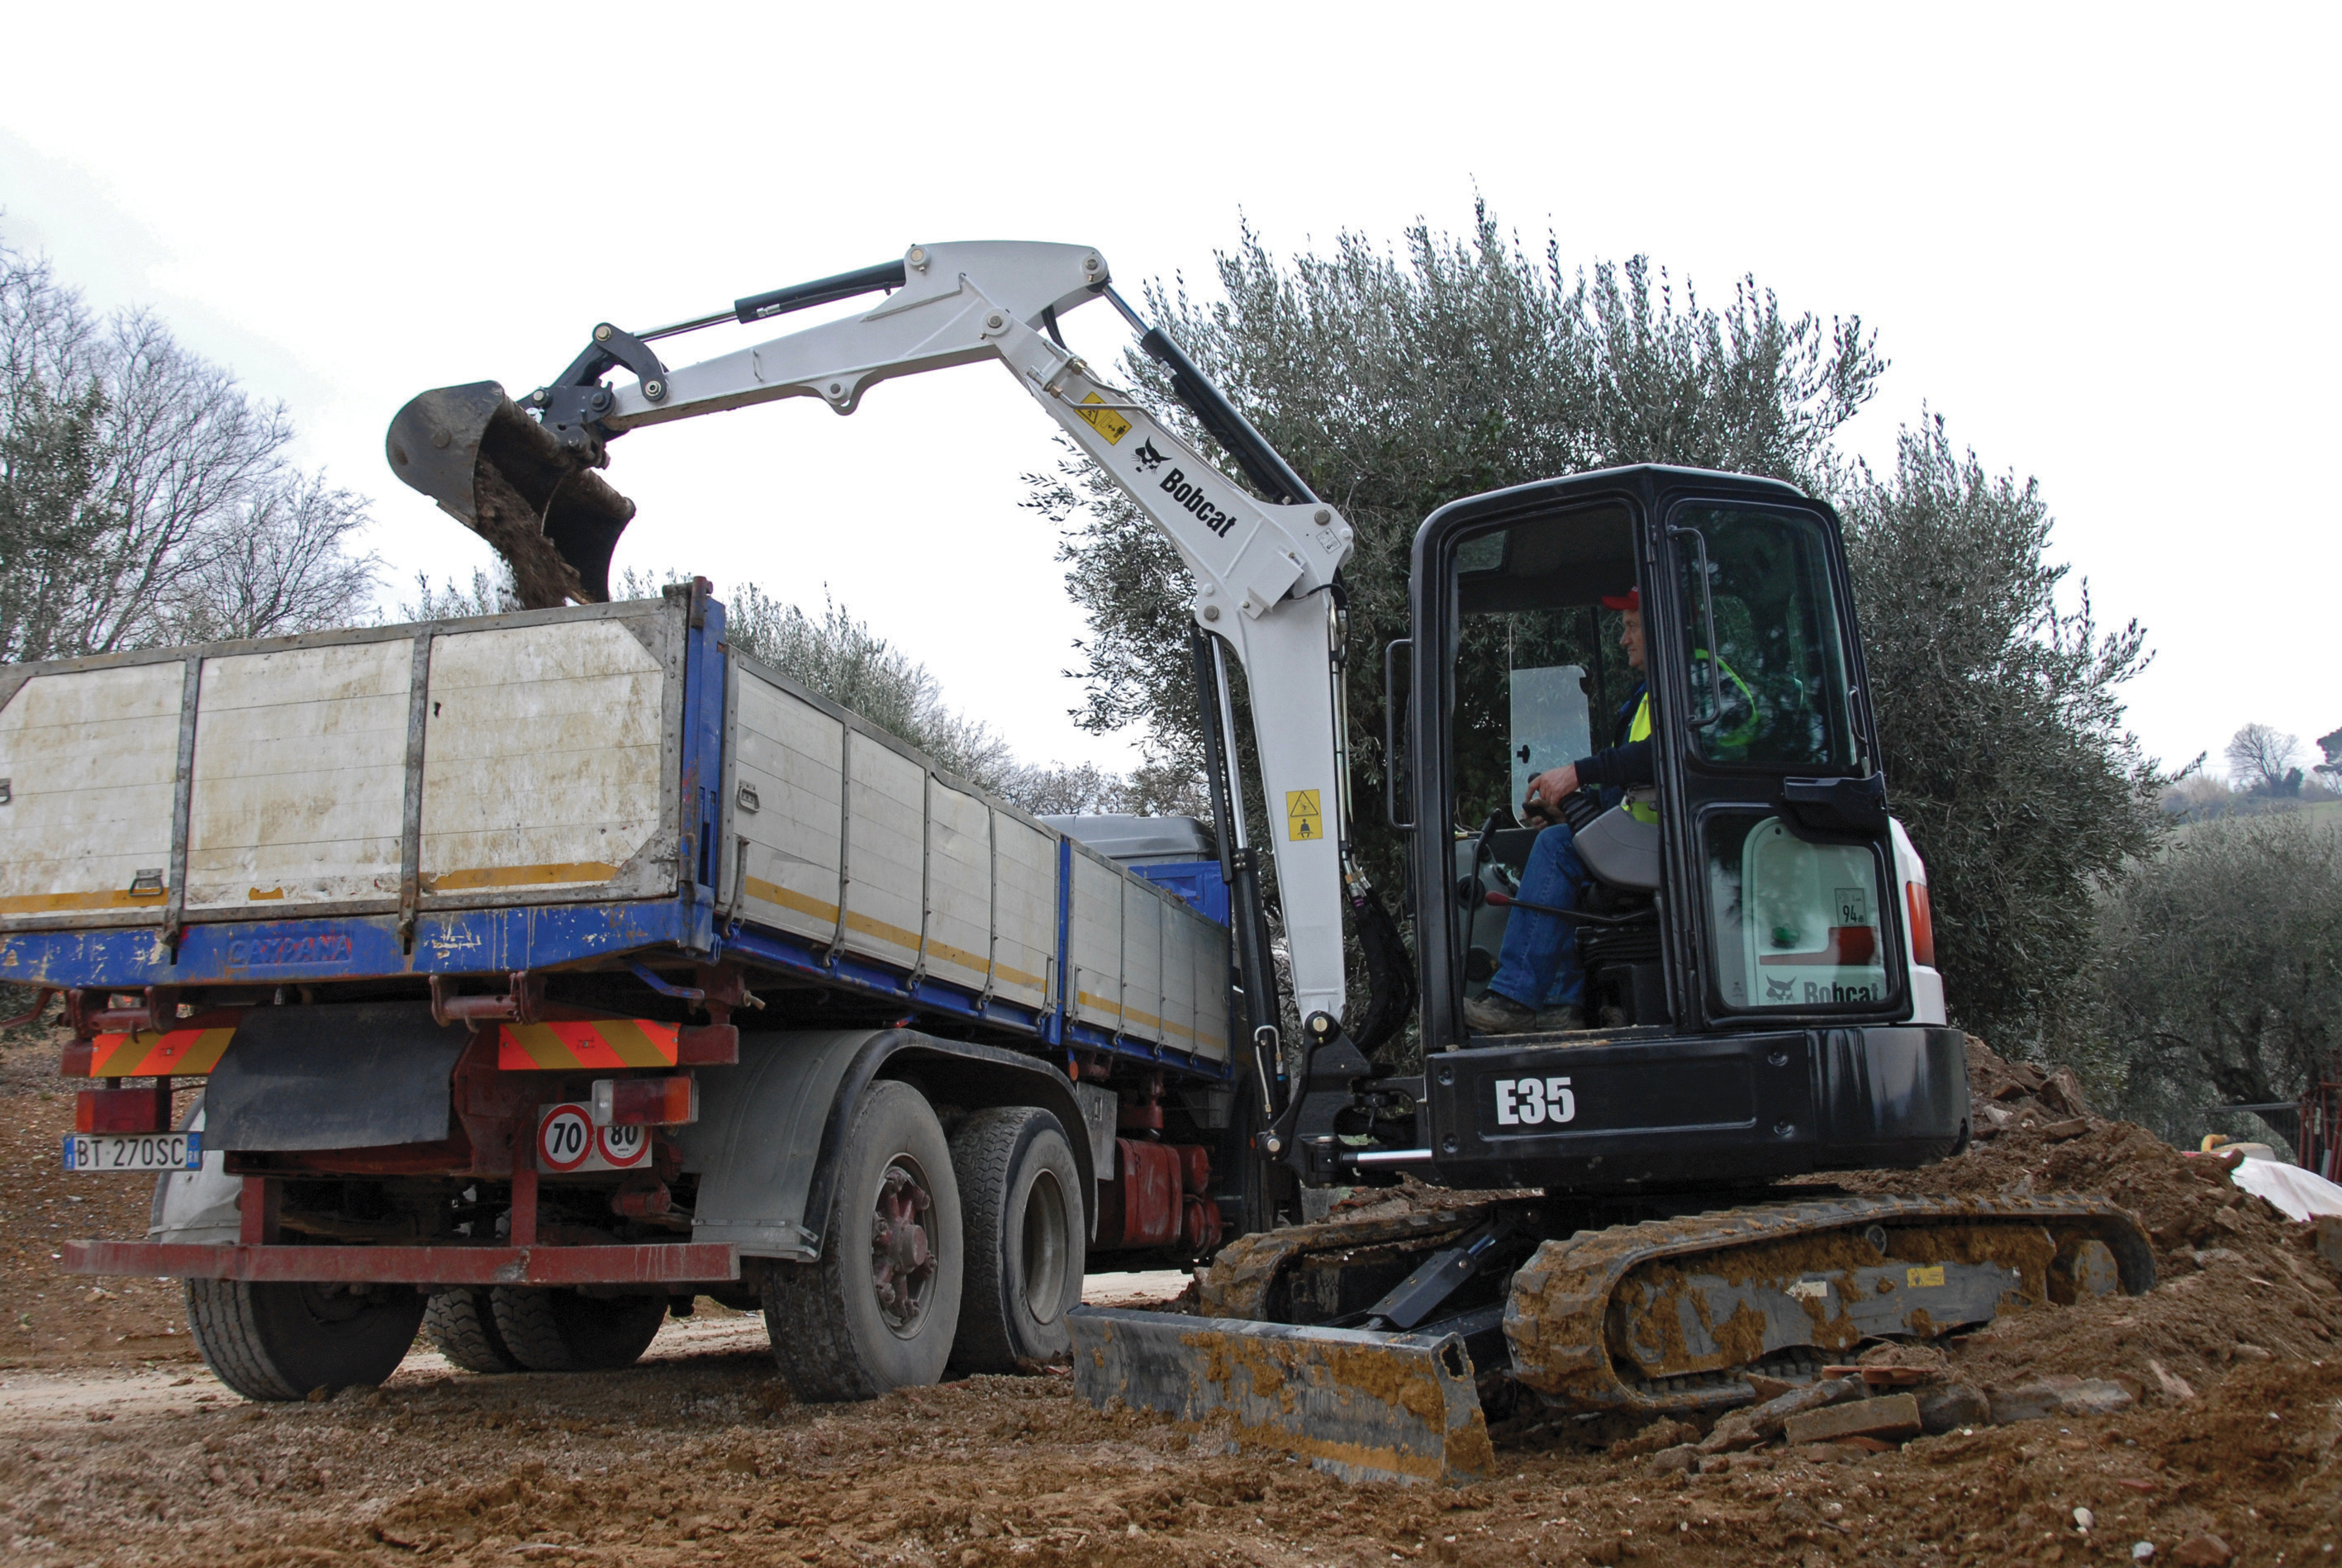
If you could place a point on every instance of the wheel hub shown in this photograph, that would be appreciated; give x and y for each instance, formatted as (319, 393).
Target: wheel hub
(902, 1251)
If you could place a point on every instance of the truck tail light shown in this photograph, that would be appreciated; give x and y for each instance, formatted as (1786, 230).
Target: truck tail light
(146, 1110)
(1922, 924)
(646, 1102)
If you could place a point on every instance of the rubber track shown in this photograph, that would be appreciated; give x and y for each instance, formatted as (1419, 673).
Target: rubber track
(219, 1319)
(1244, 1275)
(1555, 1315)
(462, 1326)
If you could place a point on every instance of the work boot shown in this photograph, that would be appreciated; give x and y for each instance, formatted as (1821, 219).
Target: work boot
(1496, 1013)
(1566, 1019)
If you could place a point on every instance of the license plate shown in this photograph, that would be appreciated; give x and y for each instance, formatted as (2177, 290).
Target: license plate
(139, 1152)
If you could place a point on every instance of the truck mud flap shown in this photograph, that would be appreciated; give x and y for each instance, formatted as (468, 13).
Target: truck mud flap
(1363, 1406)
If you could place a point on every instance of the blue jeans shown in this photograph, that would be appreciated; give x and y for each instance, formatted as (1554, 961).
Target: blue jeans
(1538, 964)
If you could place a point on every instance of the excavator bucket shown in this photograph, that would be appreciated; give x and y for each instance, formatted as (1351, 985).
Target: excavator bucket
(1365, 1407)
(505, 478)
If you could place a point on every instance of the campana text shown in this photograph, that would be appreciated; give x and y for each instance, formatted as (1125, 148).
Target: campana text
(275, 952)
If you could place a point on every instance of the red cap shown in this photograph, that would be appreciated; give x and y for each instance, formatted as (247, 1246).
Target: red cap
(1632, 599)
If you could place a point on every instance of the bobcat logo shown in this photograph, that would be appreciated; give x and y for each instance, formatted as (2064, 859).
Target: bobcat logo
(1149, 460)
(1779, 990)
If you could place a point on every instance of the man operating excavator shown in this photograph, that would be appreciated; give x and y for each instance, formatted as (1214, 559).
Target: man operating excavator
(1539, 984)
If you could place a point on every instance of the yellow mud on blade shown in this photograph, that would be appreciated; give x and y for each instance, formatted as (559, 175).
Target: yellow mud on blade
(1365, 1407)
(505, 478)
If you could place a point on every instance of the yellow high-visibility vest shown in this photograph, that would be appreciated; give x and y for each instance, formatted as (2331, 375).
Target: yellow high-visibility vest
(1638, 728)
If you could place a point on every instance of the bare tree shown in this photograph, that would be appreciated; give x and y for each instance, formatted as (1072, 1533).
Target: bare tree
(2261, 758)
(283, 566)
(147, 497)
(486, 594)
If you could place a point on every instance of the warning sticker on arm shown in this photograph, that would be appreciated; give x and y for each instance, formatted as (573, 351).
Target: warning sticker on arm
(1304, 818)
(1104, 421)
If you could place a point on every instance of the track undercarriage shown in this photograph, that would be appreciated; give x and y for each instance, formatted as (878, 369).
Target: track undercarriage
(1373, 1344)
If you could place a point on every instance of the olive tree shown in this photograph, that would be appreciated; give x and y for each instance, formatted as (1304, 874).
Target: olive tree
(2001, 714)
(2220, 978)
(1396, 380)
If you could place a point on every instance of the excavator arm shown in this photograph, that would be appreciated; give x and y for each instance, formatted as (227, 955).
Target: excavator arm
(523, 475)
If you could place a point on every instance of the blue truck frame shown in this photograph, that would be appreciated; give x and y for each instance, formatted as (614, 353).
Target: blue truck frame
(687, 926)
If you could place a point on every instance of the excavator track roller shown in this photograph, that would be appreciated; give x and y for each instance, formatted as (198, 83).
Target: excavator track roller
(1665, 1317)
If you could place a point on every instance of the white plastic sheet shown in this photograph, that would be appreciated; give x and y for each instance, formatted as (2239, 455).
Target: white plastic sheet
(2300, 1194)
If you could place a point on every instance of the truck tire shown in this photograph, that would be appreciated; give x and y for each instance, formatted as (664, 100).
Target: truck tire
(270, 1340)
(462, 1326)
(879, 1310)
(1021, 1209)
(565, 1331)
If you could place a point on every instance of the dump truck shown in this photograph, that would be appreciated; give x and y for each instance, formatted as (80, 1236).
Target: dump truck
(543, 972)
(1753, 993)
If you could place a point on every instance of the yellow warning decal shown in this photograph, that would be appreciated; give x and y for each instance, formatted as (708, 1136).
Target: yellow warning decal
(1104, 421)
(1304, 817)
(1917, 1278)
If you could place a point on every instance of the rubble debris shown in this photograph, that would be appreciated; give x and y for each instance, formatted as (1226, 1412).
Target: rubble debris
(2058, 1394)
(1761, 1423)
(1886, 1417)
(1949, 1406)
(2205, 1551)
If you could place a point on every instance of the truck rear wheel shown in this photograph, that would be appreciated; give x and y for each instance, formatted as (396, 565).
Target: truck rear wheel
(1020, 1201)
(271, 1340)
(462, 1326)
(880, 1309)
(566, 1331)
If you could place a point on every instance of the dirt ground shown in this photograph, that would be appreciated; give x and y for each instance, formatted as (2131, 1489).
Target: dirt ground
(119, 1448)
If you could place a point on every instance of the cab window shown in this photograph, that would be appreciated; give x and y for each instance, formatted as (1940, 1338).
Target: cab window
(1762, 644)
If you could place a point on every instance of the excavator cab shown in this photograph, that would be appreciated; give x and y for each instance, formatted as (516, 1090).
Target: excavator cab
(1734, 994)
(1748, 876)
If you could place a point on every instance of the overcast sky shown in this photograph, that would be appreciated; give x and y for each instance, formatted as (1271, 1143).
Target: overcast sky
(2100, 240)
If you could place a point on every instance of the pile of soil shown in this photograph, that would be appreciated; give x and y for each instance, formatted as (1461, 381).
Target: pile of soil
(2238, 1282)
(698, 1457)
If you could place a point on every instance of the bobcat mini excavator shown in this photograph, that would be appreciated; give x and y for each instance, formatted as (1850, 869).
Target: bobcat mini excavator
(1755, 943)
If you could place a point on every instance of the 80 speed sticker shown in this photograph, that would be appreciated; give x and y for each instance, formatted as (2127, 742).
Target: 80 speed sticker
(568, 1141)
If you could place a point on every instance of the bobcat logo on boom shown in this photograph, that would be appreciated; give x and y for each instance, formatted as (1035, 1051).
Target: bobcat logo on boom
(1149, 460)
(1191, 496)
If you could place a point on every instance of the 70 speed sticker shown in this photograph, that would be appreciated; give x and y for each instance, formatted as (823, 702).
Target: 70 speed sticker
(568, 1141)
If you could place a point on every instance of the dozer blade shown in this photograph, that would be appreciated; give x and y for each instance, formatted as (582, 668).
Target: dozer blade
(506, 478)
(1365, 1407)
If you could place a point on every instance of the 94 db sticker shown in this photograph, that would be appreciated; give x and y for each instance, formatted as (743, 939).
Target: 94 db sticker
(1535, 1102)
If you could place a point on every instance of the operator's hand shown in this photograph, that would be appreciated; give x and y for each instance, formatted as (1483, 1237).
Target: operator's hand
(1549, 789)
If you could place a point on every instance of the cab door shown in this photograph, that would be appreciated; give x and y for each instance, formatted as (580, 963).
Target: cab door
(1777, 852)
